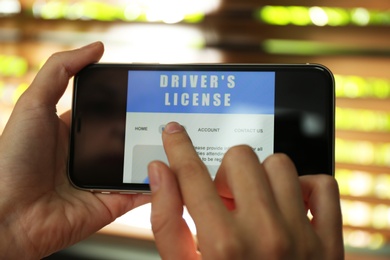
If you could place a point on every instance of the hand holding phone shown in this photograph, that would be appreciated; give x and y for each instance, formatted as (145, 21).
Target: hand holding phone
(40, 212)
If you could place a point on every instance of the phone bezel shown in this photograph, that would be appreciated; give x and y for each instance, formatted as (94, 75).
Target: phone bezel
(279, 68)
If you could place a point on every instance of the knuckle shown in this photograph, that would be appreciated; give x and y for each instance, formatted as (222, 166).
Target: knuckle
(279, 246)
(54, 59)
(229, 248)
(278, 159)
(277, 242)
(327, 181)
(55, 55)
(239, 151)
(58, 63)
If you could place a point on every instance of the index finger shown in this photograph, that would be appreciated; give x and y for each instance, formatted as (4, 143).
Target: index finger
(196, 186)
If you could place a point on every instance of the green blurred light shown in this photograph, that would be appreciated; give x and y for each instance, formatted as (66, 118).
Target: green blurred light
(359, 87)
(197, 44)
(299, 15)
(318, 16)
(19, 91)
(367, 120)
(107, 11)
(17, 67)
(321, 16)
(100, 11)
(277, 15)
(74, 11)
(13, 66)
(381, 187)
(132, 12)
(337, 16)
(360, 16)
(377, 240)
(343, 177)
(53, 10)
(381, 88)
(299, 47)
(351, 87)
(194, 18)
(380, 18)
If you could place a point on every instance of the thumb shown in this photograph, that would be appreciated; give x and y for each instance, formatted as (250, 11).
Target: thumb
(172, 235)
(52, 80)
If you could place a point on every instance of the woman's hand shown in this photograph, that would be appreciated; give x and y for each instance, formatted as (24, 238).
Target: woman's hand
(253, 210)
(40, 212)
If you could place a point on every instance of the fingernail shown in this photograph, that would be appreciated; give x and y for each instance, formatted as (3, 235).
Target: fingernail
(154, 177)
(173, 127)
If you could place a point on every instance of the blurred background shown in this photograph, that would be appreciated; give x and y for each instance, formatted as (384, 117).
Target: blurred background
(352, 38)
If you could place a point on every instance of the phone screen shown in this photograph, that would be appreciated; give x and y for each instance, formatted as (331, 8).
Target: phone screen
(119, 113)
(219, 109)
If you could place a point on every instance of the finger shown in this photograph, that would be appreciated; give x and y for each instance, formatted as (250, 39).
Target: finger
(195, 183)
(242, 175)
(197, 189)
(283, 178)
(321, 194)
(172, 235)
(52, 80)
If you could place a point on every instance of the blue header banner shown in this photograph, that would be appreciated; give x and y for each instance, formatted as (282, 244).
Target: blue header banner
(209, 92)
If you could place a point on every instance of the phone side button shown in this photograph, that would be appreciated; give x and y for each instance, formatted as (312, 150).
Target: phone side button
(127, 192)
(105, 192)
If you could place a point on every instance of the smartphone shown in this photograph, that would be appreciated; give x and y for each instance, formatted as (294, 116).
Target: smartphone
(119, 112)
